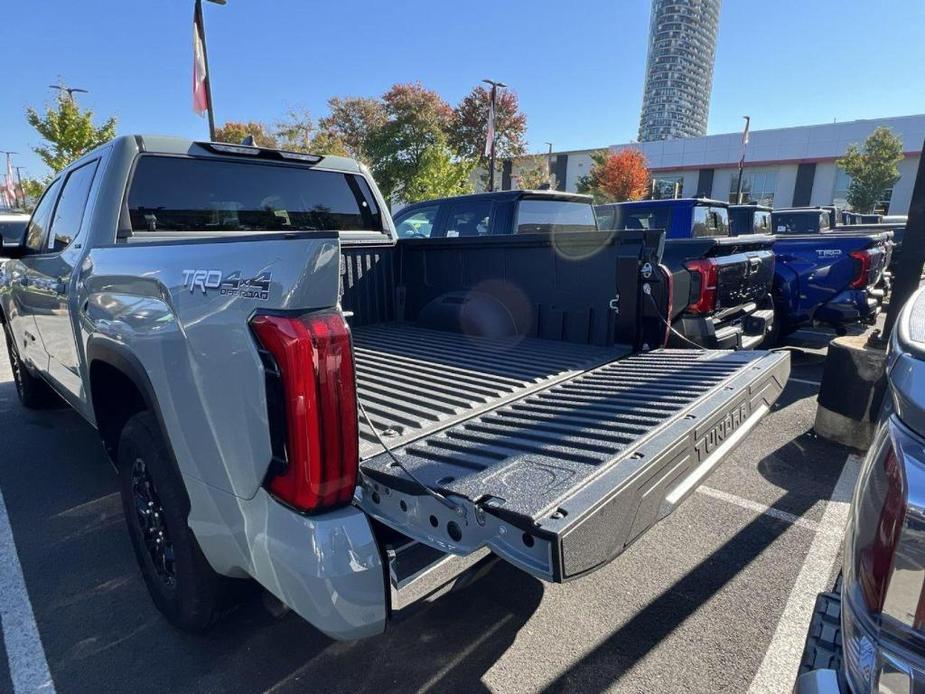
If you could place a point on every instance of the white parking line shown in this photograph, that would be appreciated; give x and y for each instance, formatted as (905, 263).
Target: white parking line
(759, 508)
(781, 661)
(28, 667)
(804, 380)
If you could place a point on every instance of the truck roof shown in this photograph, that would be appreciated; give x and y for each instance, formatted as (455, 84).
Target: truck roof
(807, 210)
(162, 144)
(669, 202)
(751, 206)
(510, 195)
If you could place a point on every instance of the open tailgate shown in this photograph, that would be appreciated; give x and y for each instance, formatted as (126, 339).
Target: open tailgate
(562, 480)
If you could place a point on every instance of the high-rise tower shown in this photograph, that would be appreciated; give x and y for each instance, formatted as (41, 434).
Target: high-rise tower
(679, 69)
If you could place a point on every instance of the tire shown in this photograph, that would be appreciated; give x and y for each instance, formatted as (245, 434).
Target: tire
(33, 392)
(823, 648)
(187, 591)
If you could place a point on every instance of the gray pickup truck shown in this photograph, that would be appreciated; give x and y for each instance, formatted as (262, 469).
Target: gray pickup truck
(358, 423)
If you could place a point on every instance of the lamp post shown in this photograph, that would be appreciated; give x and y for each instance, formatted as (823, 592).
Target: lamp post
(69, 90)
(491, 131)
(549, 162)
(205, 59)
(742, 160)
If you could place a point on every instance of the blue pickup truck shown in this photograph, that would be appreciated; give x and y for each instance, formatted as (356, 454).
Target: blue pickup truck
(721, 286)
(825, 277)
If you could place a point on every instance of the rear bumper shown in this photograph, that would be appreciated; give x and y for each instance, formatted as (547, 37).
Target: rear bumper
(851, 306)
(746, 332)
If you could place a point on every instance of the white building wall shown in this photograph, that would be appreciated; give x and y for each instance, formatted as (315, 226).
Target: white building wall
(824, 183)
(722, 183)
(902, 191)
(786, 181)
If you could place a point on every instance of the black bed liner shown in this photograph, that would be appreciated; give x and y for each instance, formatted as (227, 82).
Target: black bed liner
(582, 466)
(413, 381)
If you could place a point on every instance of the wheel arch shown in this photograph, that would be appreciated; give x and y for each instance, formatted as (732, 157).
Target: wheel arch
(119, 387)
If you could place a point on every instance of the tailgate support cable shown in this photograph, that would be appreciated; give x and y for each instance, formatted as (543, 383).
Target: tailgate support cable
(456, 508)
(647, 290)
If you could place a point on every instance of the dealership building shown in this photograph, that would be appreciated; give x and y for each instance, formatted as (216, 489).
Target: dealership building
(783, 167)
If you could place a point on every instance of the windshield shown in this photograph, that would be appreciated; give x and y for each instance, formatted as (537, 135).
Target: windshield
(553, 216)
(795, 222)
(217, 195)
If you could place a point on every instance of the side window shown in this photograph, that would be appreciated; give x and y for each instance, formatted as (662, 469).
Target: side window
(419, 225)
(37, 231)
(70, 210)
(824, 221)
(468, 218)
(762, 223)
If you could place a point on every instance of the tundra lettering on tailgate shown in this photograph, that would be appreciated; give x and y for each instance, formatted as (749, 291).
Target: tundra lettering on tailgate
(231, 284)
(724, 428)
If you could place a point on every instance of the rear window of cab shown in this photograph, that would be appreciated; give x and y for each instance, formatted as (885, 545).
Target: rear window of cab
(189, 194)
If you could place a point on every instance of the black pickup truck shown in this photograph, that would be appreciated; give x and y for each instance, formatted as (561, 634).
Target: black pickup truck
(720, 285)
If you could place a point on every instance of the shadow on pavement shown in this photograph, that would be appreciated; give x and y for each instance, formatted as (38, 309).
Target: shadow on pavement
(604, 666)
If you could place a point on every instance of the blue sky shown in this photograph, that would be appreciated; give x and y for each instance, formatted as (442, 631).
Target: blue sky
(577, 67)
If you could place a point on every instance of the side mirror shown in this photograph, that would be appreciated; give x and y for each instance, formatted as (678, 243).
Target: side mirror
(12, 249)
(13, 241)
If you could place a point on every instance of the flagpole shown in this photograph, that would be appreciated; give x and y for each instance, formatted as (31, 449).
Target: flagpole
(205, 58)
(742, 160)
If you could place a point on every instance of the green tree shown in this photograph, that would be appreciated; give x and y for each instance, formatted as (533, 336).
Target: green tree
(353, 121)
(297, 132)
(416, 119)
(439, 174)
(235, 131)
(469, 129)
(873, 168)
(32, 189)
(533, 172)
(587, 185)
(68, 131)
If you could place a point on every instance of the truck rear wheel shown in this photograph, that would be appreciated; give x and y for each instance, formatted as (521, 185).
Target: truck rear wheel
(182, 584)
(33, 392)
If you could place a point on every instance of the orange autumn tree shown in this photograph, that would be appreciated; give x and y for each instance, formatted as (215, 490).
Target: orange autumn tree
(617, 176)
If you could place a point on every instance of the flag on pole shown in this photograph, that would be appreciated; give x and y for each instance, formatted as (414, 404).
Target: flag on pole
(744, 141)
(200, 94)
(10, 181)
(490, 137)
(4, 197)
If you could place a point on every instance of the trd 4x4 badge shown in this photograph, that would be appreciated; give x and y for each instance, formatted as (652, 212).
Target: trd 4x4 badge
(232, 284)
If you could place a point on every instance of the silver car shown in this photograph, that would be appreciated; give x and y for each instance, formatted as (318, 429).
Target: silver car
(878, 644)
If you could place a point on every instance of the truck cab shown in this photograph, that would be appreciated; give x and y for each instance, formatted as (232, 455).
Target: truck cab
(681, 218)
(749, 218)
(802, 220)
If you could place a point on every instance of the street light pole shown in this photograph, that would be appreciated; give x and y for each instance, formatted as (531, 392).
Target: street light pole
(491, 158)
(205, 59)
(742, 160)
(549, 163)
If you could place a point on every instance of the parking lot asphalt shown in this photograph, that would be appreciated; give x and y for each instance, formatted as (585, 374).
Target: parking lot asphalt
(709, 600)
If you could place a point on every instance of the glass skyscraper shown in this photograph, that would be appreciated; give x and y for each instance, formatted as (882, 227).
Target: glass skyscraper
(679, 69)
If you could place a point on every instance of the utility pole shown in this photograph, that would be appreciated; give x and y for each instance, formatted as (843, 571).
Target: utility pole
(205, 58)
(491, 131)
(742, 160)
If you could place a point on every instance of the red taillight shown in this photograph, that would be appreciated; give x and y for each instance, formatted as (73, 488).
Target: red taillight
(863, 269)
(703, 285)
(876, 559)
(315, 363)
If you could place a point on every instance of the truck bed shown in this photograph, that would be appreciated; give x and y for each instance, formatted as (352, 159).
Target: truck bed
(413, 381)
(559, 476)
